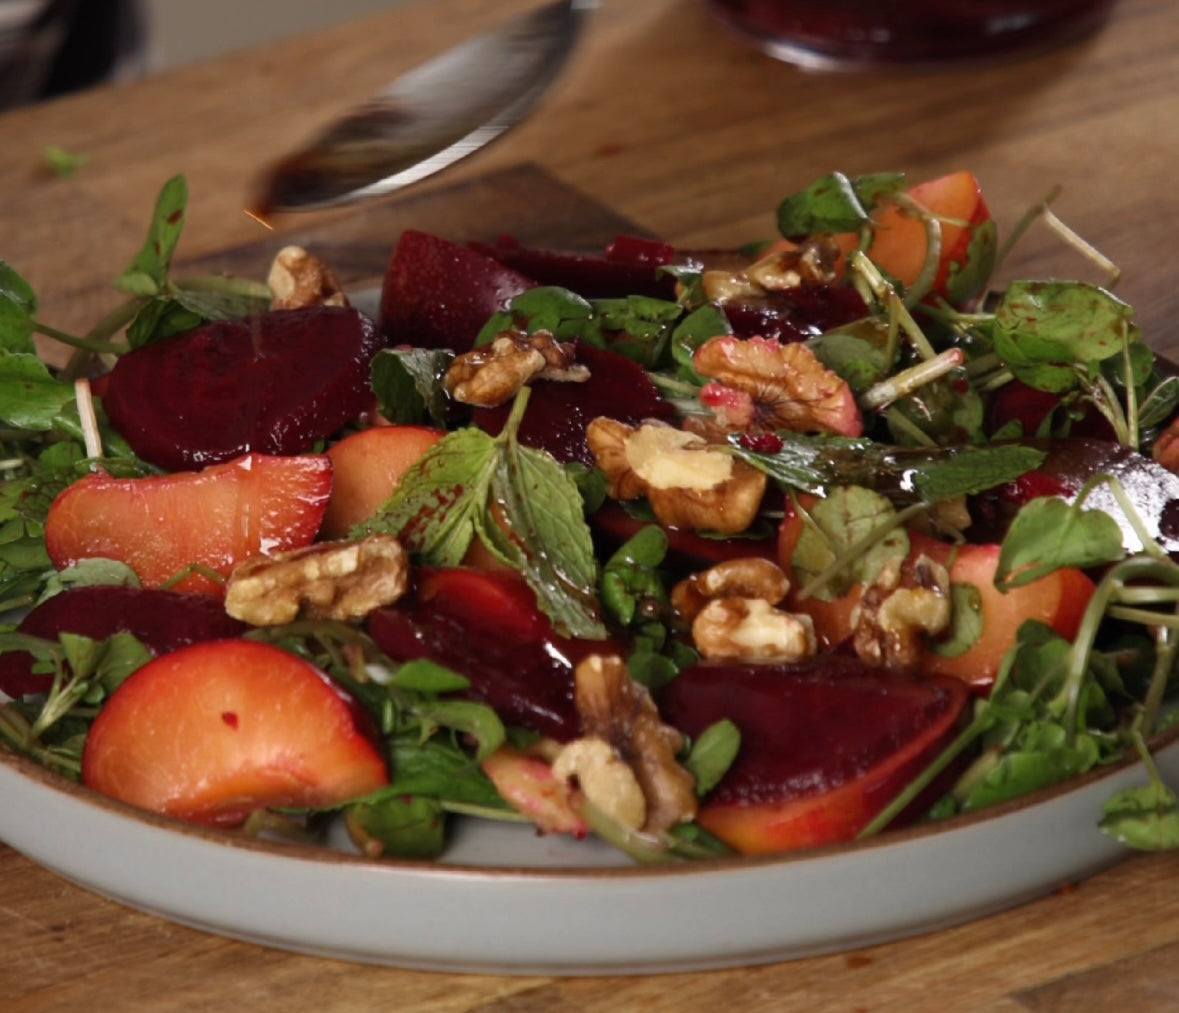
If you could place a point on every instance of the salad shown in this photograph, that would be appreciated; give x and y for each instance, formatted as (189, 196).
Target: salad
(703, 552)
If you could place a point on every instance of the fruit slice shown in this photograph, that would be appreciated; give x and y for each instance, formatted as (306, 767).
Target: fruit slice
(274, 383)
(558, 413)
(366, 467)
(899, 242)
(826, 744)
(215, 518)
(438, 294)
(162, 620)
(485, 625)
(1058, 599)
(211, 732)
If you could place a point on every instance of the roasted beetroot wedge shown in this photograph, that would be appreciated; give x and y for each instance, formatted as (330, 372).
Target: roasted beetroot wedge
(162, 620)
(273, 384)
(558, 413)
(629, 266)
(486, 626)
(439, 294)
(825, 744)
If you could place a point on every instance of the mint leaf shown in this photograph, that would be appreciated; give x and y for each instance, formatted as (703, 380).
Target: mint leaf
(970, 470)
(547, 538)
(441, 499)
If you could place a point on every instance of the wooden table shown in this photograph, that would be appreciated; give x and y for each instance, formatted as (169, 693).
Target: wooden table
(664, 124)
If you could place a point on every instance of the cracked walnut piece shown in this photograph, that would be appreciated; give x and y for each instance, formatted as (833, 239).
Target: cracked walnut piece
(891, 620)
(329, 580)
(731, 608)
(688, 482)
(489, 376)
(299, 279)
(619, 714)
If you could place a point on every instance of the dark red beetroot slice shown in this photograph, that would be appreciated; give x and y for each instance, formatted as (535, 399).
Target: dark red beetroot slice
(486, 626)
(438, 294)
(629, 267)
(163, 620)
(825, 744)
(558, 413)
(796, 314)
(274, 383)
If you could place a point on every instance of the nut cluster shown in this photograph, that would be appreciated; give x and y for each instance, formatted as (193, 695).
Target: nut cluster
(898, 610)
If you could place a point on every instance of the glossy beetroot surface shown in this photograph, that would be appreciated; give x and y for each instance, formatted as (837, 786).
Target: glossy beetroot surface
(558, 413)
(807, 728)
(486, 626)
(274, 383)
(439, 294)
(162, 620)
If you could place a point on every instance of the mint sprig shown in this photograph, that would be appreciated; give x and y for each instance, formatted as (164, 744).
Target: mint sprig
(518, 501)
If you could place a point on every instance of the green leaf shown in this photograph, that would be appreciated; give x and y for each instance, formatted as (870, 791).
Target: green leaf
(835, 203)
(547, 538)
(966, 622)
(401, 825)
(1051, 332)
(30, 396)
(438, 768)
(1022, 772)
(18, 309)
(61, 162)
(1145, 818)
(712, 753)
(158, 319)
(474, 719)
(408, 384)
(424, 676)
(1048, 534)
(847, 516)
(441, 499)
(970, 470)
(967, 280)
(148, 273)
(855, 352)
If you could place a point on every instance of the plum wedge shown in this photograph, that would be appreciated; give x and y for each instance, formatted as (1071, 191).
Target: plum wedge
(273, 384)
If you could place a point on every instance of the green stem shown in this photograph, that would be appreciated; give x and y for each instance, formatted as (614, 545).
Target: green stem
(1035, 211)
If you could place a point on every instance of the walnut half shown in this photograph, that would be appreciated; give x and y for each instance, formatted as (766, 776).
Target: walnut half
(625, 761)
(489, 376)
(328, 580)
(688, 482)
(299, 279)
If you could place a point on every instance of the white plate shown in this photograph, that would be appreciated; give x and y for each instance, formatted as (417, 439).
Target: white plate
(542, 905)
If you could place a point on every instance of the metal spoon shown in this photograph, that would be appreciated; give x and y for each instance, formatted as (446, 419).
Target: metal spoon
(430, 117)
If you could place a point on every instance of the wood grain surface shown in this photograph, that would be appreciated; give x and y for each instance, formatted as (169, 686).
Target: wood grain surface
(662, 124)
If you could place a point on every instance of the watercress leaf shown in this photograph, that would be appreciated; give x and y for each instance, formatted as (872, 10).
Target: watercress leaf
(439, 768)
(848, 516)
(407, 384)
(973, 469)
(1048, 534)
(1022, 772)
(966, 622)
(1046, 330)
(158, 319)
(709, 321)
(230, 299)
(834, 203)
(968, 279)
(1145, 818)
(30, 396)
(629, 576)
(424, 676)
(856, 352)
(405, 826)
(712, 753)
(88, 573)
(1160, 403)
(474, 719)
(18, 308)
(435, 507)
(147, 274)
